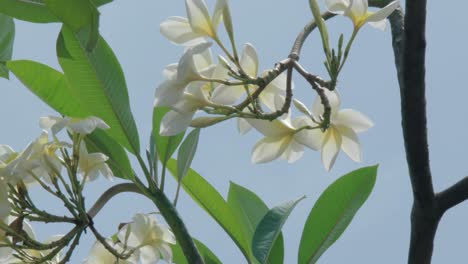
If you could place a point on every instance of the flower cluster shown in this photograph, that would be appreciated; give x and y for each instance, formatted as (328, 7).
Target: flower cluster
(233, 88)
(42, 163)
(145, 239)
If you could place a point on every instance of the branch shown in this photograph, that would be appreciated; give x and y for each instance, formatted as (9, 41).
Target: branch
(413, 102)
(453, 196)
(108, 194)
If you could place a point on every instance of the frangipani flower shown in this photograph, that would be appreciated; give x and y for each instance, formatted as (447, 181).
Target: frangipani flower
(99, 254)
(194, 65)
(150, 237)
(228, 95)
(199, 24)
(342, 132)
(82, 126)
(357, 11)
(178, 119)
(91, 164)
(16, 166)
(283, 139)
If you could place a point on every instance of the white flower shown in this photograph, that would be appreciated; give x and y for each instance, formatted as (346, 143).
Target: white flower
(283, 139)
(100, 255)
(82, 126)
(194, 65)
(228, 95)
(342, 133)
(91, 164)
(150, 237)
(199, 23)
(188, 88)
(178, 119)
(357, 11)
(16, 166)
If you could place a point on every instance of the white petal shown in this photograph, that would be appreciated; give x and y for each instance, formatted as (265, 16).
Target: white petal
(333, 99)
(218, 12)
(199, 17)
(302, 108)
(203, 59)
(352, 119)
(293, 152)
(384, 12)
(350, 143)
(268, 149)
(312, 138)
(337, 6)
(243, 126)
(168, 93)
(149, 255)
(227, 95)
(381, 25)
(277, 87)
(170, 71)
(358, 8)
(331, 147)
(274, 128)
(187, 69)
(55, 124)
(178, 30)
(249, 60)
(173, 123)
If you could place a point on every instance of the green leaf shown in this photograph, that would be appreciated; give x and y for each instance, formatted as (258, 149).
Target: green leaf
(34, 11)
(165, 146)
(208, 256)
(118, 161)
(7, 37)
(186, 153)
(77, 15)
(97, 81)
(333, 212)
(269, 229)
(49, 85)
(213, 203)
(249, 209)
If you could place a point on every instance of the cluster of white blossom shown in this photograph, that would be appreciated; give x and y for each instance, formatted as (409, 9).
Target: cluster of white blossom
(197, 83)
(148, 240)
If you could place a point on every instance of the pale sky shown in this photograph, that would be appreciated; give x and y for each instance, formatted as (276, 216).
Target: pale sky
(380, 231)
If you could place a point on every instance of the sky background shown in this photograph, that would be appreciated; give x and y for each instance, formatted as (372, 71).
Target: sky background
(380, 231)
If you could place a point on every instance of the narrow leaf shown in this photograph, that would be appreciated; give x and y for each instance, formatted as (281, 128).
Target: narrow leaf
(269, 229)
(333, 212)
(97, 82)
(49, 85)
(78, 15)
(7, 37)
(165, 146)
(34, 11)
(249, 210)
(186, 153)
(213, 203)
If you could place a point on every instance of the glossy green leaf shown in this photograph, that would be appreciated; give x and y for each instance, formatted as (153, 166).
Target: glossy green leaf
(165, 145)
(333, 212)
(249, 209)
(269, 229)
(34, 11)
(78, 15)
(213, 203)
(7, 37)
(208, 256)
(118, 161)
(49, 85)
(186, 153)
(97, 81)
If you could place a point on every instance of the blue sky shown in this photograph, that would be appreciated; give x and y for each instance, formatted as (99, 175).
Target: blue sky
(380, 231)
